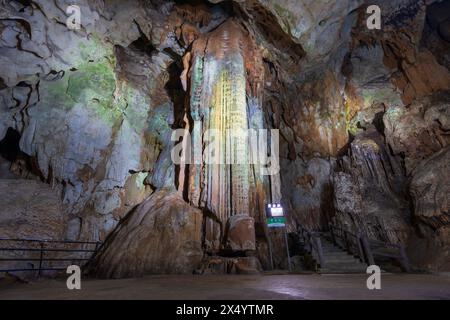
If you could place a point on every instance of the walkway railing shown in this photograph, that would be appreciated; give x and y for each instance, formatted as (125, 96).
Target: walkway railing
(312, 243)
(31, 255)
(361, 246)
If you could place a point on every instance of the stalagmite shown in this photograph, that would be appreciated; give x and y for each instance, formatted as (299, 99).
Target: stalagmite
(224, 77)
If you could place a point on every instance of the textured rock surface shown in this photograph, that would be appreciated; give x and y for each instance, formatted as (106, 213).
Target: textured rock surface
(94, 87)
(320, 28)
(162, 235)
(224, 83)
(308, 190)
(430, 187)
(363, 118)
(30, 209)
(240, 233)
(420, 130)
(226, 265)
(369, 192)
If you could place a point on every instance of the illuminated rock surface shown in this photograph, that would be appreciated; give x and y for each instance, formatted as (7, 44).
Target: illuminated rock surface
(224, 77)
(162, 235)
(363, 118)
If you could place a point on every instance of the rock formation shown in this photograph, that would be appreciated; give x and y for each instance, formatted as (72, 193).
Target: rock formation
(225, 88)
(166, 238)
(87, 117)
(429, 190)
(31, 209)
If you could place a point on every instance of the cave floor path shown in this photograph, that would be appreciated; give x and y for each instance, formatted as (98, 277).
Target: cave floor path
(236, 287)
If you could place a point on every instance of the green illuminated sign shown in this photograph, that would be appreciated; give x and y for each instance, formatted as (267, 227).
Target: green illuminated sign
(276, 222)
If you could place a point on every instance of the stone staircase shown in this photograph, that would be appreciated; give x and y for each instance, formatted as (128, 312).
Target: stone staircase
(337, 260)
(341, 251)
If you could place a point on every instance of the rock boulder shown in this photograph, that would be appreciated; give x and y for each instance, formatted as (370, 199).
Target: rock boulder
(161, 236)
(240, 233)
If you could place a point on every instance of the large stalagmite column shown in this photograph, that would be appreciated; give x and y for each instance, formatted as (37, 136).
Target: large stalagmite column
(225, 74)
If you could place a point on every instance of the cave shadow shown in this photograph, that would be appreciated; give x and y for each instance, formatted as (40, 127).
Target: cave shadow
(21, 165)
(180, 99)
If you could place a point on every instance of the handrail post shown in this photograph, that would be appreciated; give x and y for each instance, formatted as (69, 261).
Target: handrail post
(319, 251)
(41, 254)
(96, 246)
(367, 250)
(360, 249)
(332, 234)
(310, 246)
(404, 258)
(346, 241)
(39, 247)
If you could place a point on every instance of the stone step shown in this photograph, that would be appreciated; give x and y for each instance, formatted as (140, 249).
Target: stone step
(344, 267)
(336, 254)
(347, 262)
(337, 260)
(341, 271)
(337, 263)
(327, 243)
(332, 250)
(346, 270)
(353, 266)
(331, 247)
(337, 249)
(342, 259)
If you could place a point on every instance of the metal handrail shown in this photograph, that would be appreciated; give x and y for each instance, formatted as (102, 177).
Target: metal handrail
(49, 241)
(49, 250)
(43, 250)
(385, 244)
(351, 242)
(364, 252)
(313, 242)
(365, 246)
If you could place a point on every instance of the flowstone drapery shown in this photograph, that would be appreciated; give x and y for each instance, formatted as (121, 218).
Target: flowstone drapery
(225, 78)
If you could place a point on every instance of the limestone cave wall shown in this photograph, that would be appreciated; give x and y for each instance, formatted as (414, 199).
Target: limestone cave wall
(86, 120)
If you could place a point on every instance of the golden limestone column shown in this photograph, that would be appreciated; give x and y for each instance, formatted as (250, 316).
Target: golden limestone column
(223, 74)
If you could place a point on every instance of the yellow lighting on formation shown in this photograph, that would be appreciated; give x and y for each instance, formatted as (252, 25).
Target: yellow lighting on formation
(230, 179)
